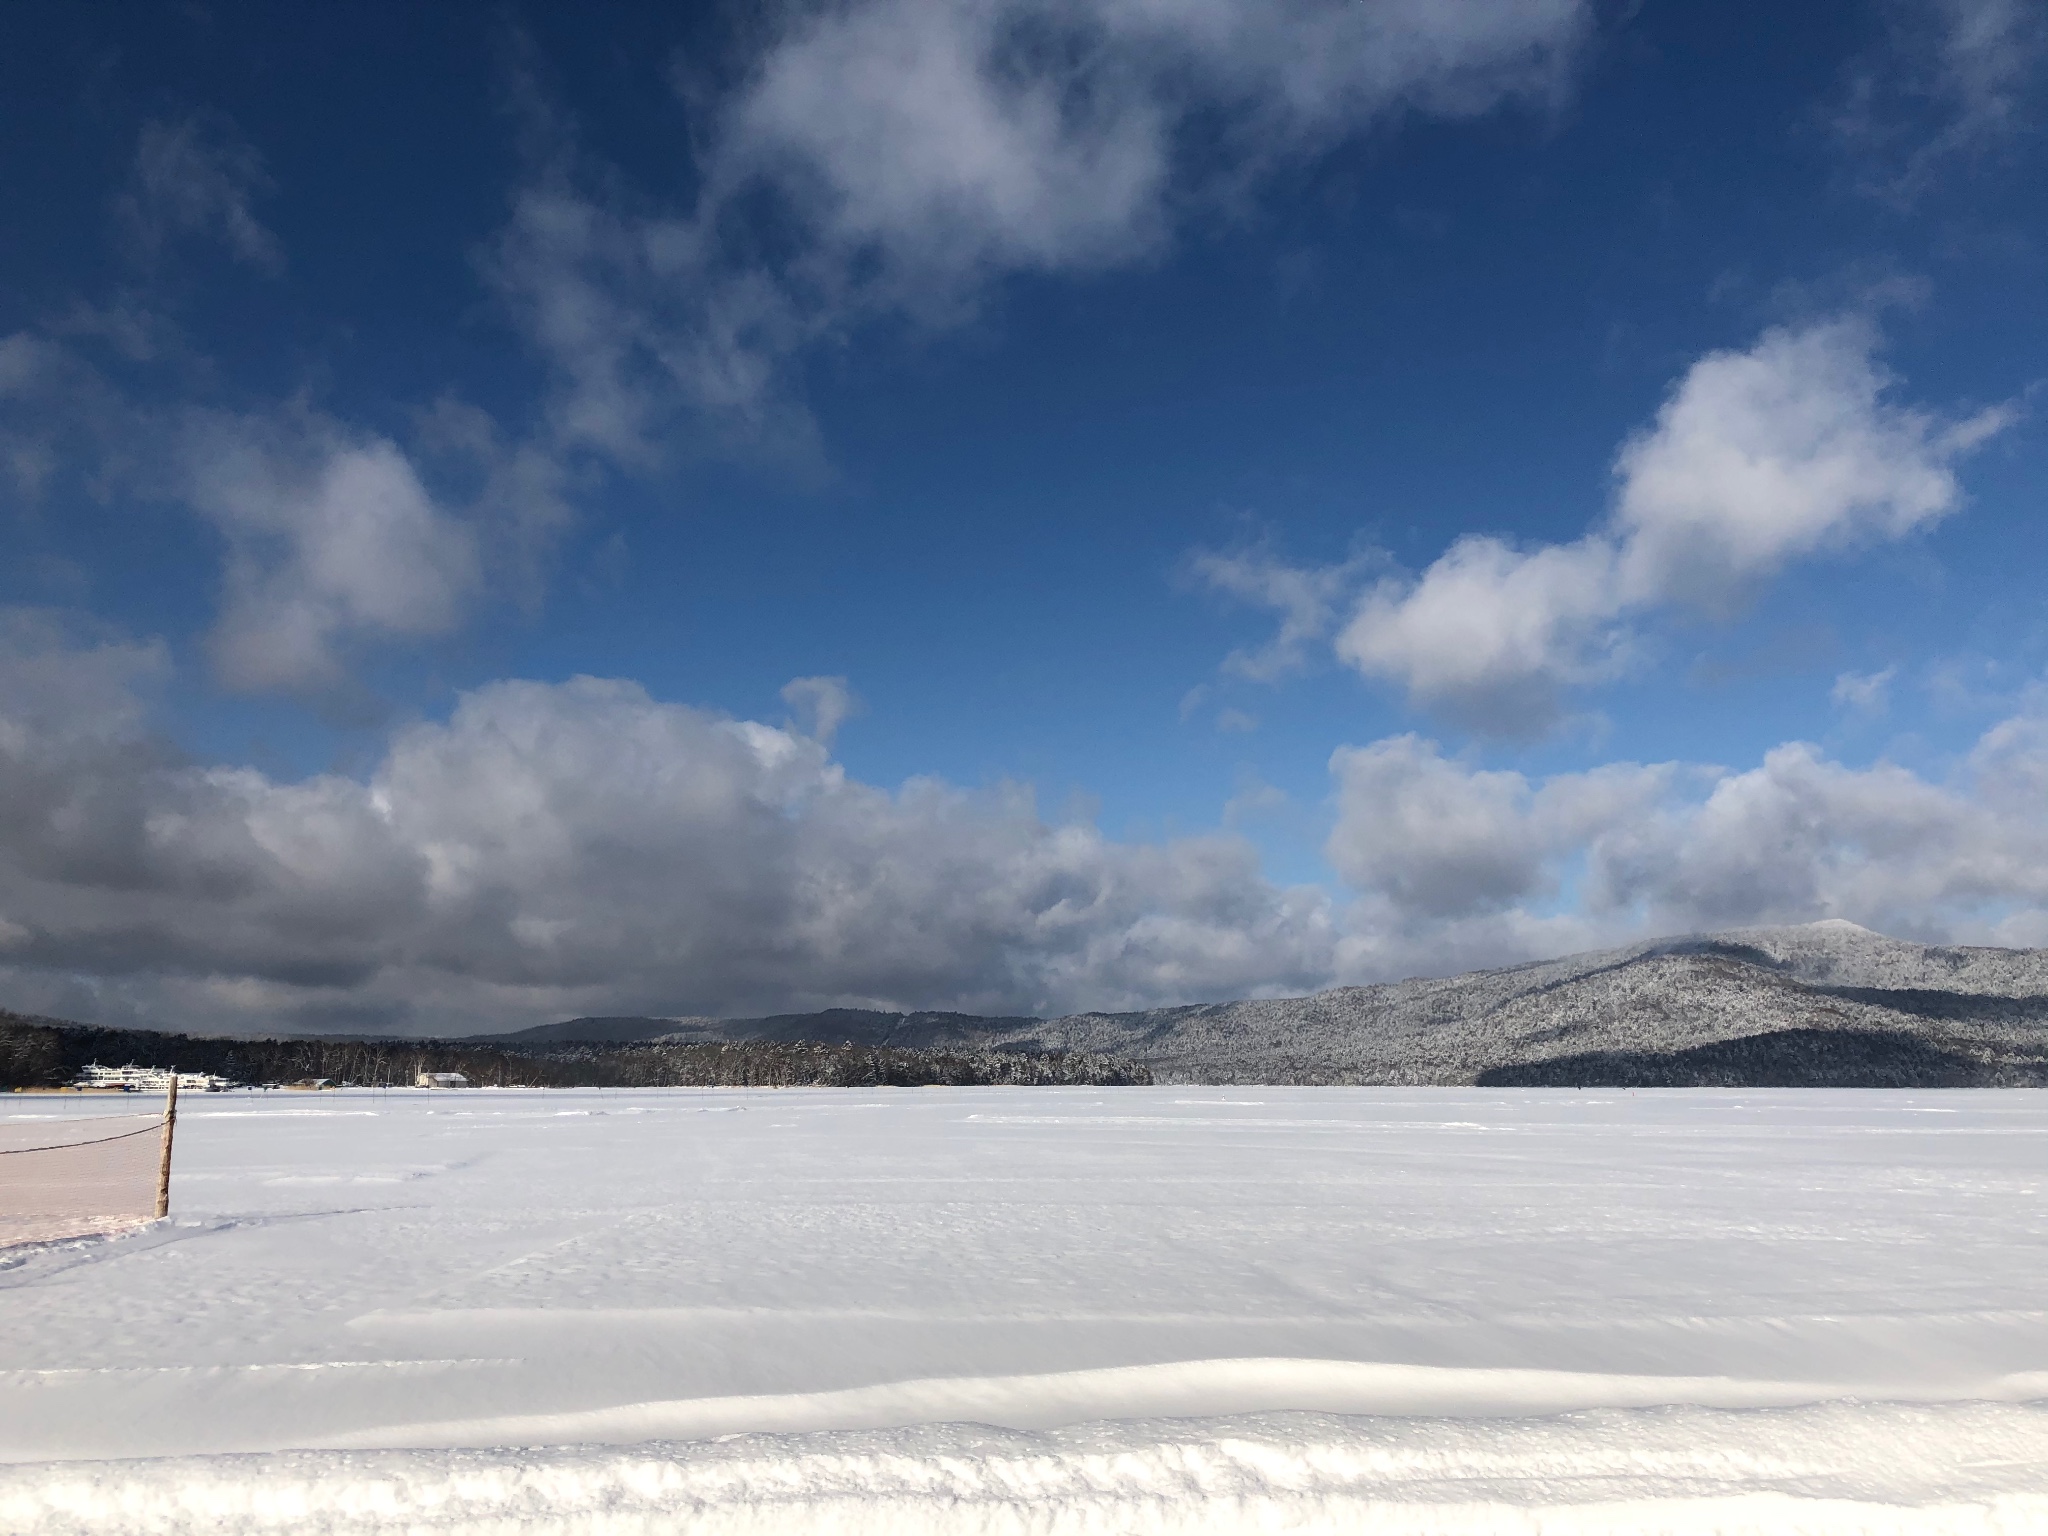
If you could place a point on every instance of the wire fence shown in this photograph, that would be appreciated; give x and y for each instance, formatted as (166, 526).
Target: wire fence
(79, 1177)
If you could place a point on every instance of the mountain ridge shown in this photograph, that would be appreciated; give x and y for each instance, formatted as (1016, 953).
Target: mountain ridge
(1842, 1003)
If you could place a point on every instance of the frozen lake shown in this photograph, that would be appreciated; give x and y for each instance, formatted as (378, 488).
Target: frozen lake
(1309, 1309)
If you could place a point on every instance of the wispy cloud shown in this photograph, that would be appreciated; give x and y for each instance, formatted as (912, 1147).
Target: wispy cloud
(1310, 600)
(335, 537)
(197, 177)
(822, 705)
(883, 159)
(331, 538)
(1866, 693)
(890, 159)
(1952, 83)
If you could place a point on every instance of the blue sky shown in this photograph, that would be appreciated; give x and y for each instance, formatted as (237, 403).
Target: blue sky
(1066, 506)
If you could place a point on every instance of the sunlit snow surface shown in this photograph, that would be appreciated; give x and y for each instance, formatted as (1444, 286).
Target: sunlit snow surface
(1051, 1310)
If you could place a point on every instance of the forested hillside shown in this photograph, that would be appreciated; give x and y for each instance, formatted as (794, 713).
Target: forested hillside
(1827, 1004)
(38, 1052)
(1818, 1004)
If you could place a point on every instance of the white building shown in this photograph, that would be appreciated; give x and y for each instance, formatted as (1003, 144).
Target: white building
(440, 1080)
(134, 1079)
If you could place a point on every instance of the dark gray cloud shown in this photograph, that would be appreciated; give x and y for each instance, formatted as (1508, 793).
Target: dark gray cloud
(556, 849)
(560, 849)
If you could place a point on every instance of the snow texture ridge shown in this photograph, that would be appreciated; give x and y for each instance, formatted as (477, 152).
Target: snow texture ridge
(1834, 1467)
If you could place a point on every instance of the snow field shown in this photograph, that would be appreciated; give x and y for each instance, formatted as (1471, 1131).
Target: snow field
(1050, 1310)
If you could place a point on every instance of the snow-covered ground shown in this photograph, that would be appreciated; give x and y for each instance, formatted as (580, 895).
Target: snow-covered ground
(1050, 1310)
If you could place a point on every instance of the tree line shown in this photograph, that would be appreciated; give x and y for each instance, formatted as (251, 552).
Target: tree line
(48, 1053)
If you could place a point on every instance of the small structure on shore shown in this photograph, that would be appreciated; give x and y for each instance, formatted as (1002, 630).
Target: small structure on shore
(440, 1080)
(134, 1079)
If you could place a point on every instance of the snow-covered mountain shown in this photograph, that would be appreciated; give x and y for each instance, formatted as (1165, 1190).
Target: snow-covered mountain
(1822, 1002)
(1825, 1002)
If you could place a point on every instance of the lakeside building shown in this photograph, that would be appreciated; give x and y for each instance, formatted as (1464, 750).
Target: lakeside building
(134, 1079)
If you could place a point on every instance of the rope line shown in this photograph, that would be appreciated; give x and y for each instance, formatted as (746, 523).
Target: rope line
(66, 1146)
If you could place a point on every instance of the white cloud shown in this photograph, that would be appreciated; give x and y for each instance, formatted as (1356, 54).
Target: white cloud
(1490, 633)
(912, 151)
(1757, 458)
(331, 539)
(962, 138)
(1465, 864)
(1788, 448)
(1802, 837)
(1441, 838)
(553, 850)
(925, 130)
(1867, 693)
(198, 177)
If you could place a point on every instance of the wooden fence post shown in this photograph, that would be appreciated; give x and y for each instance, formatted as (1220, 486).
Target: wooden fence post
(163, 1170)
